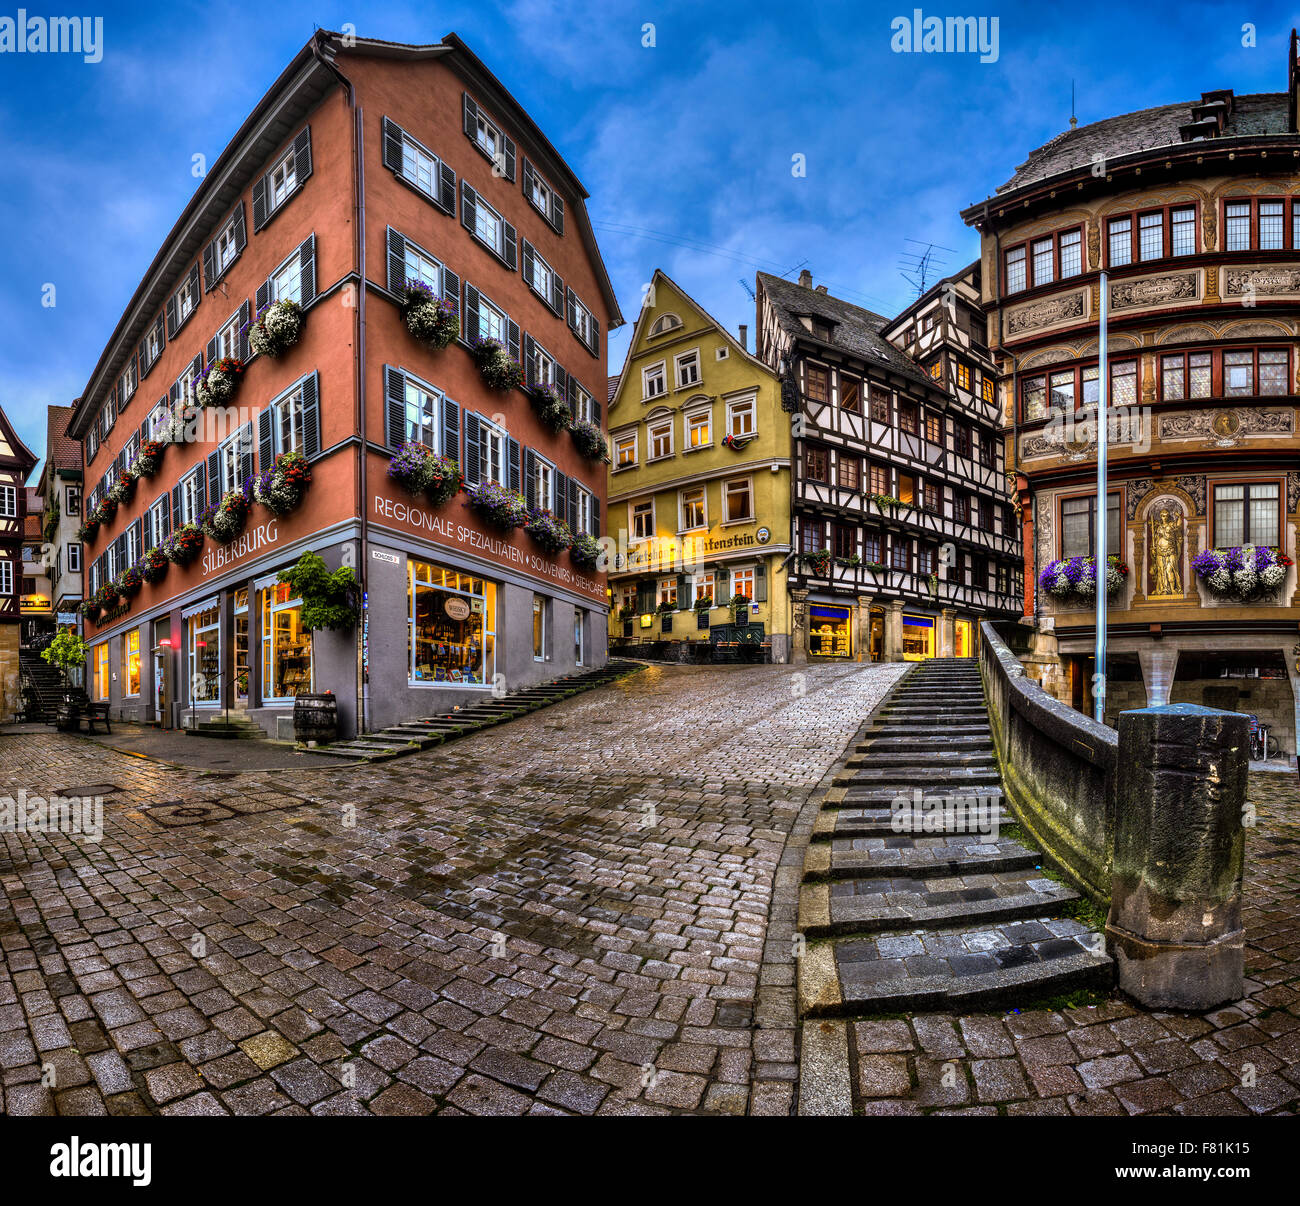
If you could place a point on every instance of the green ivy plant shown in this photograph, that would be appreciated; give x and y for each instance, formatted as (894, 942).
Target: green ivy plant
(329, 600)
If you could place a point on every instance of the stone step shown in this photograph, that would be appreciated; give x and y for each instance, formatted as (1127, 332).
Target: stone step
(856, 821)
(933, 758)
(909, 731)
(918, 774)
(357, 749)
(921, 855)
(877, 903)
(959, 970)
(938, 743)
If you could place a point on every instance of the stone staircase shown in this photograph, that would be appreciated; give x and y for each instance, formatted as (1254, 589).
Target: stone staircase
(413, 735)
(945, 911)
(234, 728)
(43, 686)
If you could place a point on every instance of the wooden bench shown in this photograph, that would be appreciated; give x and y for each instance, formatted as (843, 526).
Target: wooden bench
(73, 711)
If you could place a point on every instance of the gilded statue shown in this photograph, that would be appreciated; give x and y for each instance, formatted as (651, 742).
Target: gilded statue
(1165, 540)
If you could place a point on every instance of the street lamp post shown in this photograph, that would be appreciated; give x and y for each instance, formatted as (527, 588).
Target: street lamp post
(1102, 522)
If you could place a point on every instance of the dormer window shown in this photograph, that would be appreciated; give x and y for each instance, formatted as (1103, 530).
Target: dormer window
(665, 323)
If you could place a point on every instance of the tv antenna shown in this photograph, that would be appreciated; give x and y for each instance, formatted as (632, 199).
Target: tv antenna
(744, 284)
(915, 266)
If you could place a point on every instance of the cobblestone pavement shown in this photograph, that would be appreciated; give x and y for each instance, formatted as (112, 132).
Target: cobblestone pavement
(1115, 1057)
(567, 913)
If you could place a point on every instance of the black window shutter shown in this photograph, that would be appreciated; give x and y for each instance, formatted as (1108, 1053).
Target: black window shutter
(471, 324)
(146, 532)
(307, 267)
(241, 235)
(530, 478)
(200, 490)
(572, 517)
(571, 395)
(530, 361)
(511, 246)
(171, 315)
(561, 381)
(144, 430)
(450, 285)
(214, 478)
(193, 284)
(392, 146)
(526, 252)
(468, 206)
(450, 429)
(512, 338)
(263, 295)
(396, 261)
(166, 519)
(139, 535)
(259, 203)
(472, 466)
(595, 336)
(595, 409)
(570, 298)
(394, 407)
(514, 465)
(721, 589)
(265, 439)
(446, 189)
(683, 590)
(302, 157)
(557, 213)
(176, 503)
(526, 178)
(246, 467)
(212, 350)
(245, 316)
(209, 264)
(142, 361)
(561, 493)
(557, 294)
(174, 395)
(471, 116)
(311, 434)
(509, 157)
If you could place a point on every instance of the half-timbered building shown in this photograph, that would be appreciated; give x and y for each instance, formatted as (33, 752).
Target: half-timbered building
(902, 528)
(16, 463)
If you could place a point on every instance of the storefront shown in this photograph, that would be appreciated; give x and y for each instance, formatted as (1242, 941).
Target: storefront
(452, 639)
(829, 631)
(286, 645)
(918, 638)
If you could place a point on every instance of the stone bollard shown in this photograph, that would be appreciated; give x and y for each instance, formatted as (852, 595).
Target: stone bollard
(1175, 926)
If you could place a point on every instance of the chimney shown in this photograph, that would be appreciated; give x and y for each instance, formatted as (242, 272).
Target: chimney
(744, 336)
(820, 289)
(805, 279)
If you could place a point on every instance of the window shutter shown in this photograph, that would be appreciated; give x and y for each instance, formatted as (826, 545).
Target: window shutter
(210, 265)
(450, 286)
(246, 468)
(302, 157)
(166, 519)
(471, 116)
(245, 320)
(530, 361)
(170, 309)
(142, 363)
(561, 381)
(144, 430)
(450, 429)
(509, 157)
(174, 395)
(471, 322)
(396, 261)
(721, 589)
(307, 266)
(514, 482)
(146, 532)
(683, 590)
(139, 535)
(760, 584)
(471, 467)
(526, 178)
(193, 285)
(594, 345)
(176, 503)
(526, 251)
(556, 299)
(530, 478)
(468, 207)
(512, 246)
(561, 493)
(572, 518)
(259, 203)
(214, 478)
(311, 434)
(241, 235)
(570, 297)
(392, 146)
(200, 490)
(557, 212)
(446, 189)
(265, 439)
(512, 338)
(595, 409)
(263, 295)
(212, 350)
(394, 407)
(571, 395)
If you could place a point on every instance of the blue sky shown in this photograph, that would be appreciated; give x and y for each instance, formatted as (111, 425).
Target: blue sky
(686, 146)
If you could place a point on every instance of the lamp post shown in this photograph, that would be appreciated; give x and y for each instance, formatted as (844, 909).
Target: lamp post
(1102, 521)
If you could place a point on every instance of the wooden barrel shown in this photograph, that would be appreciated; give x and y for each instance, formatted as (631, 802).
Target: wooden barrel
(316, 717)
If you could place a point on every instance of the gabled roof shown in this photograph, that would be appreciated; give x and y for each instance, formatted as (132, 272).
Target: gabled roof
(969, 273)
(61, 450)
(854, 329)
(12, 448)
(611, 385)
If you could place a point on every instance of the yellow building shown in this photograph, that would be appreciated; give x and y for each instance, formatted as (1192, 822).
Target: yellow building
(699, 491)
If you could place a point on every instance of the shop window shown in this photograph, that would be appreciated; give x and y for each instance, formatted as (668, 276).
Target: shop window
(918, 638)
(577, 637)
(286, 646)
(241, 645)
(131, 662)
(101, 671)
(204, 639)
(452, 626)
(828, 631)
(540, 618)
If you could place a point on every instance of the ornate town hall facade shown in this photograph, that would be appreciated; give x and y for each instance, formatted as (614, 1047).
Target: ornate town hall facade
(1193, 210)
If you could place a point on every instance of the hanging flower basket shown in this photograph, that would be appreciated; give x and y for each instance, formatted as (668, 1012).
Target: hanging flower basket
(146, 463)
(500, 370)
(433, 320)
(550, 406)
(280, 488)
(223, 521)
(88, 530)
(220, 382)
(1075, 580)
(442, 480)
(88, 608)
(153, 565)
(123, 489)
(585, 551)
(129, 581)
(276, 328)
(108, 595)
(498, 506)
(1243, 573)
(549, 530)
(183, 545)
(589, 440)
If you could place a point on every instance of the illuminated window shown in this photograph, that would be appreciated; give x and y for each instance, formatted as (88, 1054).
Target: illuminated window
(101, 671)
(451, 618)
(131, 662)
(286, 646)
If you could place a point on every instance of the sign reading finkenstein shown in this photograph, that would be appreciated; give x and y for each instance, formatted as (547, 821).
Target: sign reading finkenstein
(53, 35)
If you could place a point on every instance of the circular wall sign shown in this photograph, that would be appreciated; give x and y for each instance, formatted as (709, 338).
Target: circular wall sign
(763, 535)
(457, 608)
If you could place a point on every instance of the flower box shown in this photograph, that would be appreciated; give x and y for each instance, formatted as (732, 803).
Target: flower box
(1244, 573)
(276, 328)
(129, 581)
(153, 565)
(589, 440)
(550, 407)
(220, 382)
(146, 463)
(500, 370)
(224, 520)
(280, 488)
(88, 530)
(433, 320)
(1074, 580)
(549, 530)
(123, 489)
(183, 545)
(502, 508)
(585, 550)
